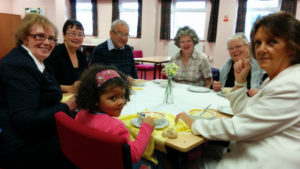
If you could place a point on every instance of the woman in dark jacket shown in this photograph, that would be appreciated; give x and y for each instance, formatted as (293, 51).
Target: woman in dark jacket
(29, 98)
(66, 60)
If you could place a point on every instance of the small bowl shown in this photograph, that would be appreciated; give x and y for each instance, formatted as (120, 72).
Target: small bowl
(209, 114)
(139, 82)
(159, 119)
(156, 116)
(163, 83)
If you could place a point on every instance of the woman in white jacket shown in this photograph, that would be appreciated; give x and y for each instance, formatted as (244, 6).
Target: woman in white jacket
(265, 131)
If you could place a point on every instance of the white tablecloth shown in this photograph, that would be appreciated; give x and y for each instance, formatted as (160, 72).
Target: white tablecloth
(151, 98)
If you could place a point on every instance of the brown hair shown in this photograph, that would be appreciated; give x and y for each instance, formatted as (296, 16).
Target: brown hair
(28, 22)
(282, 25)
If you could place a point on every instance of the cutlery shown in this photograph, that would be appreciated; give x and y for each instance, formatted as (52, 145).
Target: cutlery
(141, 115)
(203, 111)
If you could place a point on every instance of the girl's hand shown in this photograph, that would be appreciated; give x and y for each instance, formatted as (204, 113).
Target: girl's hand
(217, 86)
(183, 116)
(241, 70)
(149, 121)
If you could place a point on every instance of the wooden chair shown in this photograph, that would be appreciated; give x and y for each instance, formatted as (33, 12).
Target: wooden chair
(89, 148)
(141, 67)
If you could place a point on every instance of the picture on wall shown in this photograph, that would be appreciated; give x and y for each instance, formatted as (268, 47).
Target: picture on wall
(41, 11)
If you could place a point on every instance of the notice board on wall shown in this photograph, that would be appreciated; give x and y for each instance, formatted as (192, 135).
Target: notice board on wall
(41, 11)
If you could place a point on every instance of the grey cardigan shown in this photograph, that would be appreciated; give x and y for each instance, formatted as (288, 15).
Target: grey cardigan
(256, 73)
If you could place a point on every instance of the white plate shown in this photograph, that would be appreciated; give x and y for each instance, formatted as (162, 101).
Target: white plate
(157, 81)
(159, 124)
(225, 110)
(199, 89)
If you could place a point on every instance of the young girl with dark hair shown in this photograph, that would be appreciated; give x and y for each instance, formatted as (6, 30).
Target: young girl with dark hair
(102, 94)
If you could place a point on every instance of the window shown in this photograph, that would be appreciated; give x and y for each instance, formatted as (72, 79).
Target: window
(84, 14)
(258, 8)
(191, 13)
(129, 13)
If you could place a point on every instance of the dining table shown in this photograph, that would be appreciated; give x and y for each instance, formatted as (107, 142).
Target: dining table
(156, 60)
(148, 97)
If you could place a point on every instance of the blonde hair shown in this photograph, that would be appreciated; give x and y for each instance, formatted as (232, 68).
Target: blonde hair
(28, 22)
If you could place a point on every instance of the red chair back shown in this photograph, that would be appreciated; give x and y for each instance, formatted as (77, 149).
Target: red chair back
(138, 53)
(89, 148)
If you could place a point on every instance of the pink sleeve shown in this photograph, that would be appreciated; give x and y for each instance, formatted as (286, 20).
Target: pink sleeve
(138, 146)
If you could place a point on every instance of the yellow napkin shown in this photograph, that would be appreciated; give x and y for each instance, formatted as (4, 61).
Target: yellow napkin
(136, 88)
(66, 97)
(182, 127)
(156, 140)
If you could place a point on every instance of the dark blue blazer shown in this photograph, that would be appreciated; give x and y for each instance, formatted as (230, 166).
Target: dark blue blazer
(28, 101)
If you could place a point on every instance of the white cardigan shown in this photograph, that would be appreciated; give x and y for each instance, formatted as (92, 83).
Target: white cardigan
(265, 131)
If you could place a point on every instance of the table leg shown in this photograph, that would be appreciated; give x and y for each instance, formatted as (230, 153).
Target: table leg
(159, 73)
(154, 75)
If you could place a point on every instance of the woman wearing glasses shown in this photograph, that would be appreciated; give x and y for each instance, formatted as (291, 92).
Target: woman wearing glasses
(29, 98)
(66, 60)
(238, 47)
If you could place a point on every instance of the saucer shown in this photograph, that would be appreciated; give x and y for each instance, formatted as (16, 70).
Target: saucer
(159, 123)
(199, 89)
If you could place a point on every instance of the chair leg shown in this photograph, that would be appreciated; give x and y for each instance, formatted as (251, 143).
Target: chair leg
(141, 74)
(145, 75)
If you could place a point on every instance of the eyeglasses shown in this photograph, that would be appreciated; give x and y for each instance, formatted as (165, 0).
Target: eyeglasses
(73, 34)
(236, 47)
(119, 34)
(42, 37)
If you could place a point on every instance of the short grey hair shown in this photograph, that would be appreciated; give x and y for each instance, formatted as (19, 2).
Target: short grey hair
(238, 36)
(186, 30)
(118, 21)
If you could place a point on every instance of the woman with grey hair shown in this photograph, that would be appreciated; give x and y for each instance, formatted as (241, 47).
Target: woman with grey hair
(238, 47)
(194, 67)
(264, 132)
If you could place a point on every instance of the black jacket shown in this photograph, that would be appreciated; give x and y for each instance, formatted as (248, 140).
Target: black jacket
(28, 101)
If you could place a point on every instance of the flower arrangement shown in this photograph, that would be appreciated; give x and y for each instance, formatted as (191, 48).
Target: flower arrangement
(170, 71)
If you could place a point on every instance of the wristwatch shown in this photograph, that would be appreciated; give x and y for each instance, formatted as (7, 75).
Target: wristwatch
(236, 83)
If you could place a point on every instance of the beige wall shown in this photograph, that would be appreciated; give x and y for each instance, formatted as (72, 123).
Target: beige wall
(6, 6)
(150, 42)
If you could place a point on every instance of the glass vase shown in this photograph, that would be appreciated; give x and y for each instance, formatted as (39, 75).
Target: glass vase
(169, 97)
